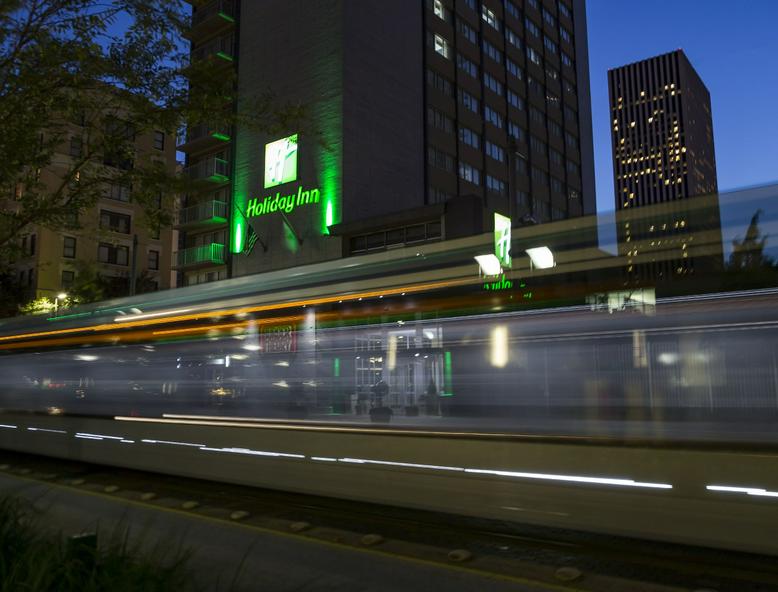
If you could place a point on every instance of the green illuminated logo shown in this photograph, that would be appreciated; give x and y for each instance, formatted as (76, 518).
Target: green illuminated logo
(501, 284)
(282, 203)
(281, 161)
(502, 239)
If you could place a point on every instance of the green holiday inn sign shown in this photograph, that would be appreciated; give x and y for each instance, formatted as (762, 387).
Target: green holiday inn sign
(281, 169)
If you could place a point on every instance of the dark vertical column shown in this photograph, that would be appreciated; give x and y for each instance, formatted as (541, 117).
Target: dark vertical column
(586, 141)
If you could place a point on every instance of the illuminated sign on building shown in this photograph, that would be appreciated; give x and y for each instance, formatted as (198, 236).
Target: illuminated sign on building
(500, 284)
(281, 161)
(279, 203)
(502, 239)
(280, 168)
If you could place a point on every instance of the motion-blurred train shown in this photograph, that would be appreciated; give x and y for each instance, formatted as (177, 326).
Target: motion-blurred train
(554, 396)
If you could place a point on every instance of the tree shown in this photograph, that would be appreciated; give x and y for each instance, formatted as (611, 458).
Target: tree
(12, 294)
(108, 70)
(748, 253)
(749, 266)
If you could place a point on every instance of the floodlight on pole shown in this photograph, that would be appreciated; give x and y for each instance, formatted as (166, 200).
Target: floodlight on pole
(489, 264)
(541, 257)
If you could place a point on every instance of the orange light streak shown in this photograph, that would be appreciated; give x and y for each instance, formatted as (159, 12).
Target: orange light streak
(243, 310)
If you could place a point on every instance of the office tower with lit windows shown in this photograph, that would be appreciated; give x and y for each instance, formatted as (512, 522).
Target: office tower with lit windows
(662, 141)
(425, 117)
(507, 87)
(661, 130)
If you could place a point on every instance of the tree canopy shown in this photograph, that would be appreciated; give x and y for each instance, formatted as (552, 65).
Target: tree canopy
(110, 70)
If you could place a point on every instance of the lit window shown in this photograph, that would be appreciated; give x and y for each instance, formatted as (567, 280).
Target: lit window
(441, 46)
(439, 10)
(490, 18)
(533, 56)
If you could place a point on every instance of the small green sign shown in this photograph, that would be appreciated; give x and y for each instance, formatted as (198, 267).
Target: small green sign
(281, 161)
(502, 239)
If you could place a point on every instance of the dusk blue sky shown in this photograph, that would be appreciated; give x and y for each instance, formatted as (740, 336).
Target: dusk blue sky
(733, 47)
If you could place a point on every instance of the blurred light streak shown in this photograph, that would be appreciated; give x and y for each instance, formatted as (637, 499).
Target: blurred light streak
(251, 452)
(747, 490)
(172, 443)
(573, 479)
(236, 311)
(391, 358)
(150, 315)
(499, 346)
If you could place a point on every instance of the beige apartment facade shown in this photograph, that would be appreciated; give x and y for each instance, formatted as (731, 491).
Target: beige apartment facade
(104, 237)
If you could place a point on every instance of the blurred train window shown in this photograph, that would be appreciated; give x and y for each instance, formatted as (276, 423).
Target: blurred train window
(415, 233)
(375, 241)
(395, 237)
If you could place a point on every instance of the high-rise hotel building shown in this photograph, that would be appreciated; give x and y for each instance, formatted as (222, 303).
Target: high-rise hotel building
(423, 117)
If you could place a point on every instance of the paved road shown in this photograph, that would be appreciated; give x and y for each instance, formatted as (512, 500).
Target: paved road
(264, 561)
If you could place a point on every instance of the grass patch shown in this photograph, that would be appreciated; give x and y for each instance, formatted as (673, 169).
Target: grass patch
(33, 559)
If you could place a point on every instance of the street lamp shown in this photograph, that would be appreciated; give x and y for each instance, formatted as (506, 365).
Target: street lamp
(61, 296)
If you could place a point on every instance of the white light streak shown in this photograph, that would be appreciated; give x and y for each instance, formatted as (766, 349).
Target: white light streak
(47, 430)
(572, 478)
(324, 458)
(10, 427)
(88, 437)
(363, 461)
(757, 491)
(172, 443)
(253, 452)
(100, 436)
(150, 315)
(499, 346)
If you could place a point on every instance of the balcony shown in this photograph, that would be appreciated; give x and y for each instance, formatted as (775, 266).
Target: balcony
(212, 17)
(213, 170)
(202, 256)
(205, 137)
(221, 48)
(202, 214)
